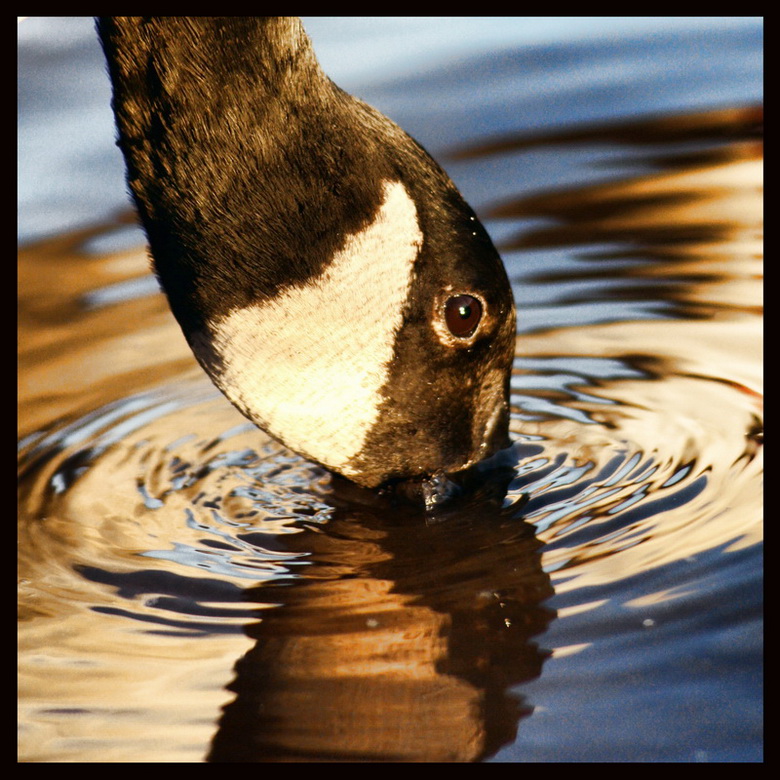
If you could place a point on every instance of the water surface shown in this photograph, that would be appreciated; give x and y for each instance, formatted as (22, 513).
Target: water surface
(190, 590)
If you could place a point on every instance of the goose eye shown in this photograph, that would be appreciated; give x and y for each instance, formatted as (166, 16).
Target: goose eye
(462, 314)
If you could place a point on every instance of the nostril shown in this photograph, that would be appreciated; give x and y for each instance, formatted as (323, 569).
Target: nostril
(496, 433)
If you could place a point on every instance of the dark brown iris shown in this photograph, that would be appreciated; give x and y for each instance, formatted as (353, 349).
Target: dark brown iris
(462, 314)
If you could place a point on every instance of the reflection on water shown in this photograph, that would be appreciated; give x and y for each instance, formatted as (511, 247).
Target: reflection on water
(670, 260)
(192, 591)
(379, 653)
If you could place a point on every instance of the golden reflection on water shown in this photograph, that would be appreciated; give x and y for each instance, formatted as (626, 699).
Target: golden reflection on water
(75, 357)
(699, 235)
(141, 488)
(386, 662)
(92, 688)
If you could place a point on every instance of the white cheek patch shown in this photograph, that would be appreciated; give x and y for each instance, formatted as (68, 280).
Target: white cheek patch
(308, 365)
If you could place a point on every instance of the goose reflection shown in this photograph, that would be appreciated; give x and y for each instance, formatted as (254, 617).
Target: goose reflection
(403, 640)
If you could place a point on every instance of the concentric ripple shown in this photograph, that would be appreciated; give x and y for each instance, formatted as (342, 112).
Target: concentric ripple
(190, 590)
(200, 499)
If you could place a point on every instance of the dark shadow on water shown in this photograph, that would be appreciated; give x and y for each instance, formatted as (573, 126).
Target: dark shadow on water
(402, 640)
(706, 131)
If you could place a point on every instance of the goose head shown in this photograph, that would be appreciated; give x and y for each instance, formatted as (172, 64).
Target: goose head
(325, 271)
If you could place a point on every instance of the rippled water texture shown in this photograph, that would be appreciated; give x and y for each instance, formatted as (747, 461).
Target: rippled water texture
(191, 591)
